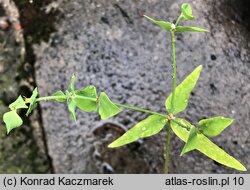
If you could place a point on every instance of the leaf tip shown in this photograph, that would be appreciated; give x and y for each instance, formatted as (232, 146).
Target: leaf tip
(231, 120)
(35, 89)
(114, 144)
(199, 68)
(182, 152)
(73, 116)
(8, 131)
(241, 168)
(111, 145)
(204, 30)
(185, 150)
(244, 169)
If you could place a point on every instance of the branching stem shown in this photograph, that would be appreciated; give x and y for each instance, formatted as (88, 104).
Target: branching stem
(94, 100)
(167, 153)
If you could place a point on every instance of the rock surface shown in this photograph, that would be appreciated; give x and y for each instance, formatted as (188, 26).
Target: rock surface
(107, 44)
(23, 150)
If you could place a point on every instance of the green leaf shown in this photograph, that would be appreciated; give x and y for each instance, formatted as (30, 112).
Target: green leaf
(68, 94)
(72, 83)
(191, 142)
(19, 103)
(214, 126)
(107, 108)
(32, 101)
(62, 96)
(163, 24)
(12, 120)
(72, 108)
(186, 12)
(87, 105)
(147, 127)
(205, 146)
(182, 92)
(189, 29)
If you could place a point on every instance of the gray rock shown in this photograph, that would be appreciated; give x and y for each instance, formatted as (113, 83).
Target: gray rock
(107, 44)
(23, 150)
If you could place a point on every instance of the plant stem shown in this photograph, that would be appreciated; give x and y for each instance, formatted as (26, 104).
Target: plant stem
(94, 99)
(139, 109)
(178, 20)
(45, 98)
(173, 72)
(167, 156)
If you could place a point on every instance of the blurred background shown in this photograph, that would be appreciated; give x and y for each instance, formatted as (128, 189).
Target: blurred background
(107, 44)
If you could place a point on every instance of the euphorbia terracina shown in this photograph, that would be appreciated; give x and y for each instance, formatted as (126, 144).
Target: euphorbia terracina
(88, 100)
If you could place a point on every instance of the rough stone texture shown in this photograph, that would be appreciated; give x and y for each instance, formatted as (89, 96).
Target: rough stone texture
(107, 44)
(23, 150)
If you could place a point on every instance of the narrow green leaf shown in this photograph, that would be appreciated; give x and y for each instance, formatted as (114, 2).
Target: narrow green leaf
(189, 29)
(32, 101)
(19, 103)
(86, 105)
(163, 24)
(214, 126)
(205, 146)
(72, 108)
(12, 120)
(72, 83)
(191, 142)
(147, 127)
(62, 98)
(182, 92)
(107, 108)
(186, 11)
